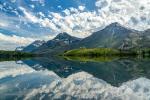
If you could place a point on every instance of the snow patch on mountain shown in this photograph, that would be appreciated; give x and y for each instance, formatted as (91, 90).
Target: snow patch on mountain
(34, 45)
(38, 43)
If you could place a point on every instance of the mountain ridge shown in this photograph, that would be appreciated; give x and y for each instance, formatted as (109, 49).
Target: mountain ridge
(60, 42)
(107, 37)
(34, 45)
(114, 35)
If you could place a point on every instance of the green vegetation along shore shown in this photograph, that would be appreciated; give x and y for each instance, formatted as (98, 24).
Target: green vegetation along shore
(13, 55)
(96, 52)
(90, 59)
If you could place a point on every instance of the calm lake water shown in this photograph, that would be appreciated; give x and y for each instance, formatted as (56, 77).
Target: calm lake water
(57, 78)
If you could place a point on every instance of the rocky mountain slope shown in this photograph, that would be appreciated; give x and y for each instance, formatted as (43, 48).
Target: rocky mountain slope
(112, 36)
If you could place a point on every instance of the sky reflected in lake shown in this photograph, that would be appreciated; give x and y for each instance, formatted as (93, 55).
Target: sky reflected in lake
(57, 78)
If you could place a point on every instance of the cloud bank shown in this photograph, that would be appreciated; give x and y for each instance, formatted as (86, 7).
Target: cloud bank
(11, 42)
(81, 23)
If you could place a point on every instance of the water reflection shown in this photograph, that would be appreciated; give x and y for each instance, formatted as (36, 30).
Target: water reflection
(53, 78)
(114, 72)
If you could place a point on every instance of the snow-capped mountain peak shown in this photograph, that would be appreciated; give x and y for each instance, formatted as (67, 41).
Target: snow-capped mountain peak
(38, 43)
(19, 48)
(34, 45)
(66, 38)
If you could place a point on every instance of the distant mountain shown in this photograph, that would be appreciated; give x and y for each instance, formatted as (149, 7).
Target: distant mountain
(145, 39)
(112, 36)
(19, 48)
(36, 44)
(66, 38)
(59, 43)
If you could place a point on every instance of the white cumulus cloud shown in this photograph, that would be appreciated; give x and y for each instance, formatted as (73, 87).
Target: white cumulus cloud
(81, 23)
(15, 39)
(11, 42)
(132, 13)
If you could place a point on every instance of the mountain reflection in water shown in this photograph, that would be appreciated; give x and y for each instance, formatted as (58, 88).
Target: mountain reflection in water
(114, 72)
(53, 78)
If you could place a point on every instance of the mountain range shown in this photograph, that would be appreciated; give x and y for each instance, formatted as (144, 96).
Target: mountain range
(60, 43)
(33, 46)
(112, 36)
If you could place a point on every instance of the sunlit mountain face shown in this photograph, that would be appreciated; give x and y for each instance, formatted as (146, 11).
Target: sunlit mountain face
(24, 21)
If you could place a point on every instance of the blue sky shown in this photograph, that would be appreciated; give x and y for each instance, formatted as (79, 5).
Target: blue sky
(11, 10)
(23, 21)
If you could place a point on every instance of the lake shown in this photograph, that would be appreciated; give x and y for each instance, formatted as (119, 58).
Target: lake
(65, 79)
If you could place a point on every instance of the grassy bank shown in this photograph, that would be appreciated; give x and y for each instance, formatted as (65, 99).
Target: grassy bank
(96, 52)
(90, 59)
